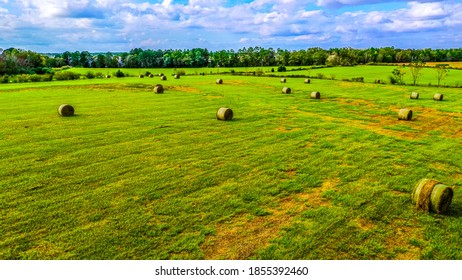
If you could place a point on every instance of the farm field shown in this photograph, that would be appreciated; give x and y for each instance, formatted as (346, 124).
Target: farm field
(138, 175)
(369, 73)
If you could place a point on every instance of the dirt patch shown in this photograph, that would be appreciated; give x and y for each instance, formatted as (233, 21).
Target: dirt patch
(243, 235)
(400, 240)
(425, 122)
(184, 89)
(283, 129)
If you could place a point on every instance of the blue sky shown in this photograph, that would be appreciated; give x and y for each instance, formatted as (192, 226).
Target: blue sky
(120, 25)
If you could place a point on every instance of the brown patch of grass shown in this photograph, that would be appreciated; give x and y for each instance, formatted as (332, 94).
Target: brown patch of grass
(283, 129)
(243, 235)
(365, 224)
(400, 239)
(425, 121)
(184, 89)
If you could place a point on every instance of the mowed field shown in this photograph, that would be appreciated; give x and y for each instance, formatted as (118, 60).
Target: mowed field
(138, 175)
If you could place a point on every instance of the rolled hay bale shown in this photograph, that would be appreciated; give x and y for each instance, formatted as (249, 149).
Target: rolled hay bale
(431, 195)
(219, 81)
(161, 74)
(66, 110)
(163, 78)
(405, 114)
(307, 81)
(441, 198)
(108, 76)
(286, 90)
(158, 89)
(283, 80)
(177, 76)
(141, 76)
(315, 95)
(224, 114)
(414, 95)
(151, 76)
(438, 97)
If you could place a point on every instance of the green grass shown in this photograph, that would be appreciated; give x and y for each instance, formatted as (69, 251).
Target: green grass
(137, 175)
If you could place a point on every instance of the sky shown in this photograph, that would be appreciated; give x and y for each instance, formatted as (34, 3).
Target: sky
(121, 25)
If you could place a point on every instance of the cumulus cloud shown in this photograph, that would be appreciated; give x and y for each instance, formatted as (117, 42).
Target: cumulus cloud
(221, 23)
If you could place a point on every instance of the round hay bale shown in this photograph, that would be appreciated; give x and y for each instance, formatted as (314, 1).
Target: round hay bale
(431, 195)
(66, 110)
(405, 114)
(141, 76)
(414, 95)
(177, 76)
(441, 198)
(438, 97)
(315, 95)
(224, 114)
(283, 80)
(158, 89)
(422, 193)
(163, 78)
(219, 81)
(286, 90)
(108, 76)
(307, 81)
(161, 74)
(151, 76)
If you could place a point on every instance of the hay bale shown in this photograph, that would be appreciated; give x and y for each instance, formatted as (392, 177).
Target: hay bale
(177, 76)
(315, 95)
(151, 76)
(219, 81)
(405, 114)
(66, 110)
(283, 80)
(286, 90)
(163, 78)
(441, 198)
(307, 81)
(141, 76)
(158, 89)
(224, 114)
(438, 97)
(108, 76)
(431, 195)
(161, 74)
(414, 95)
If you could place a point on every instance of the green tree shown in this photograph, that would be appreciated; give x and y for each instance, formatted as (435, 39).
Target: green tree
(398, 76)
(415, 68)
(441, 72)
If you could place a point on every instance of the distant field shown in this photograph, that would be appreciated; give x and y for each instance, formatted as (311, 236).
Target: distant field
(369, 73)
(138, 175)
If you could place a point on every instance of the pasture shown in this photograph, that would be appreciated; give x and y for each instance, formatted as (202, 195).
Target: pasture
(138, 175)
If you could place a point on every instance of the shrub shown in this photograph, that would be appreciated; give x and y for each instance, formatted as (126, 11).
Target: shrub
(35, 78)
(5, 79)
(358, 79)
(282, 68)
(47, 78)
(66, 75)
(99, 75)
(321, 76)
(90, 75)
(119, 74)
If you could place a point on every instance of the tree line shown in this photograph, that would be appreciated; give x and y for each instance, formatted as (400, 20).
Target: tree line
(17, 61)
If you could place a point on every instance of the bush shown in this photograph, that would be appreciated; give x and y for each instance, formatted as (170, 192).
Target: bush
(5, 79)
(282, 68)
(321, 76)
(67, 75)
(90, 75)
(358, 79)
(119, 74)
(35, 78)
(180, 72)
(47, 78)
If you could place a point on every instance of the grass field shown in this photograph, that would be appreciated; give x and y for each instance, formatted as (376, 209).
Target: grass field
(369, 73)
(137, 175)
